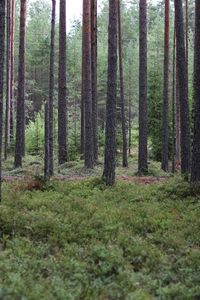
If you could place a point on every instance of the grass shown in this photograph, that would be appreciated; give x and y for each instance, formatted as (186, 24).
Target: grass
(86, 241)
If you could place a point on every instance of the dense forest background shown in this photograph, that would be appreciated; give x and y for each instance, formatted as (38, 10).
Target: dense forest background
(37, 68)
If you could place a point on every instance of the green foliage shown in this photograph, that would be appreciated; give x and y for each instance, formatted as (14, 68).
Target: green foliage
(35, 135)
(86, 241)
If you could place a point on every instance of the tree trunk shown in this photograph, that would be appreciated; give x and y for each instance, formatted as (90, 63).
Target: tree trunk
(87, 85)
(122, 99)
(62, 90)
(129, 112)
(12, 69)
(195, 178)
(173, 104)
(187, 43)
(110, 142)
(51, 90)
(178, 122)
(165, 135)
(184, 106)
(20, 123)
(2, 48)
(8, 81)
(46, 139)
(143, 132)
(94, 76)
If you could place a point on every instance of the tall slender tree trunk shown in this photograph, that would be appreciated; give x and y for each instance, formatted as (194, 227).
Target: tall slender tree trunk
(2, 48)
(195, 178)
(62, 90)
(110, 142)
(122, 99)
(94, 76)
(187, 43)
(143, 131)
(165, 129)
(129, 111)
(51, 91)
(184, 106)
(178, 121)
(87, 85)
(20, 123)
(82, 150)
(8, 81)
(12, 69)
(174, 104)
(46, 138)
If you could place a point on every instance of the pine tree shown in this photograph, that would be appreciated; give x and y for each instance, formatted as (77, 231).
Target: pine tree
(110, 143)
(143, 137)
(62, 90)
(2, 48)
(165, 135)
(182, 81)
(20, 123)
(8, 81)
(122, 99)
(195, 178)
(87, 85)
(49, 117)
(94, 76)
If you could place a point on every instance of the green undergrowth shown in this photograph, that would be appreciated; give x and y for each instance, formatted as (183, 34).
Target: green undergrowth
(33, 165)
(84, 240)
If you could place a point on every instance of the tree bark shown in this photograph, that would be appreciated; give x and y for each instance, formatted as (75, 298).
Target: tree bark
(184, 106)
(12, 69)
(8, 81)
(62, 90)
(46, 139)
(94, 76)
(2, 49)
(165, 129)
(122, 99)
(51, 91)
(129, 112)
(178, 122)
(174, 104)
(87, 85)
(195, 177)
(110, 142)
(20, 123)
(143, 131)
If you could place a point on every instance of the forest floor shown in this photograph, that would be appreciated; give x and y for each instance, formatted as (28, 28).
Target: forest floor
(78, 239)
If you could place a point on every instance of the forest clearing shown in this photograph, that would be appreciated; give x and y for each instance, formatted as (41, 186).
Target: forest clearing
(99, 150)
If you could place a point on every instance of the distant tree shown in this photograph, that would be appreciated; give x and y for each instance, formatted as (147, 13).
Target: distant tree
(122, 99)
(87, 85)
(165, 135)
(12, 68)
(177, 117)
(182, 80)
(8, 80)
(195, 178)
(2, 48)
(20, 123)
(143, 154)
(94, 76)
(110, 142)
(62, 90)
(50, 117)
(174, 104)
